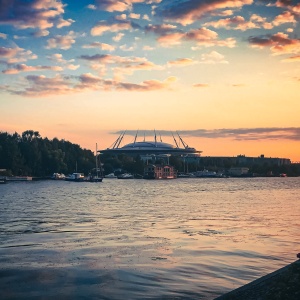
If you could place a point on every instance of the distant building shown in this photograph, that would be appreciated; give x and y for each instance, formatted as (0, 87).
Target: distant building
(150, 151)
(151, 148)
(262, 160)
(238, 171)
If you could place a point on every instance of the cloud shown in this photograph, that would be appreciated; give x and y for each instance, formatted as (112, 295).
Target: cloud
(279, 43)
(39, 86)
(283, 18)
(41, 33)
(116, 5)
(16, 55)
(64, 23)
(62, 42)
(236, 23)
(127, 48)
(271, 133)
(295, 58)
(134, 16)
(181, 62)
(42, 86)
(169, 36)
(187, 12)
(104, 26)
(121, 65)
(102, 46)
(160, 29)
(256, 21)
(118, 37)
(148, 48)
(31, 14)
(201, 85)
(213, 57)
(147, 85)
(24, 68)
(3, 36)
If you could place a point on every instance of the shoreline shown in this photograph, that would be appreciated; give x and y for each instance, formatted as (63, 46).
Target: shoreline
(281, 284)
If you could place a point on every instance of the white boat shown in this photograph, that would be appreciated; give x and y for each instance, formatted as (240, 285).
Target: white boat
(205, 174)
(111, 175)
(125, 176)
(76, 177)
(58, 176)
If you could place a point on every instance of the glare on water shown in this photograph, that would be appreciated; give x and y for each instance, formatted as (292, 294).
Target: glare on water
(183, 238)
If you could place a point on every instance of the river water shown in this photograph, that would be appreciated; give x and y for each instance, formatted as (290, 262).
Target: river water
(137, 239)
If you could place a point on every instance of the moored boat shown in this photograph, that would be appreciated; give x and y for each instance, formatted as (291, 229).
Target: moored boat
(111, 175)
(206, 174)
(76, 177)
(19, 178)
(3, 180)
(125, 176)
(96, 174)
(58, 176)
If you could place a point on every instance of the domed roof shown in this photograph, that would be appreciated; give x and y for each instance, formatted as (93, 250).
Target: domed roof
(148, 145)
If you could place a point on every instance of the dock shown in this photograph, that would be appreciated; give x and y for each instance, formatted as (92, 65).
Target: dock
(283, 284)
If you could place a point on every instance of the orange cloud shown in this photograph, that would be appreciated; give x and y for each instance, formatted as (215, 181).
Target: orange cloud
(295, 58)
(237, 23)
(103, 27)
(283, 18)
(147, 85)
(24, 68)
(99, 45)
(62, 42)
(16, 55)
(40, 86)
(202, 37)
(115, 5)
(189, 11)
(279, 43)
(181, 62)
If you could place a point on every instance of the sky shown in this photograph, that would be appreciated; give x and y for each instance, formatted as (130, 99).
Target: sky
(225, 74)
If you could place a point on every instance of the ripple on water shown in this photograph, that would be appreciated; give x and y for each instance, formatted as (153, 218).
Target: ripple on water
(181, 239)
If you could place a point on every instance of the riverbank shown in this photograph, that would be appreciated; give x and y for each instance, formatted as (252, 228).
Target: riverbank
(281, 284)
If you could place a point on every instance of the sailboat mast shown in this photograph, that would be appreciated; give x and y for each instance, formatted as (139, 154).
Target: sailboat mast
(96, 161)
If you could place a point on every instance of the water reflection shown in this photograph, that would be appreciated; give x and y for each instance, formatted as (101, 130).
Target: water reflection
(181, 239)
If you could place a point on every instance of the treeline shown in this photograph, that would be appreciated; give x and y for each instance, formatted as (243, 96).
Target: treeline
(29, 154)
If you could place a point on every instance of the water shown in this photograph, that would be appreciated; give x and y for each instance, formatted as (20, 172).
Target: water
(139, 239)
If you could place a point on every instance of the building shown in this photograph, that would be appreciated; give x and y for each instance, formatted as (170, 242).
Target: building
(146, 149)
(159, 172)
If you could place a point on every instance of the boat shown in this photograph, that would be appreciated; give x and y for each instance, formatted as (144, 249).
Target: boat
(111, 175)
(3, 180)
(19, 178)
(58, 176)
(97, 176)
(125, 176)
(76, 177)
(206, 174)
(186, 175)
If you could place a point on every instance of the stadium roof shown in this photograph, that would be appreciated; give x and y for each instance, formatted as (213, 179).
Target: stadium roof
(150, 147)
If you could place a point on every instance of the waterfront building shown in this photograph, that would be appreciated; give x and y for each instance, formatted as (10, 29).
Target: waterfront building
(159, 172)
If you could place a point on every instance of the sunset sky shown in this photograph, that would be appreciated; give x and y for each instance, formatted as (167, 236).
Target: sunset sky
(225, 74)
